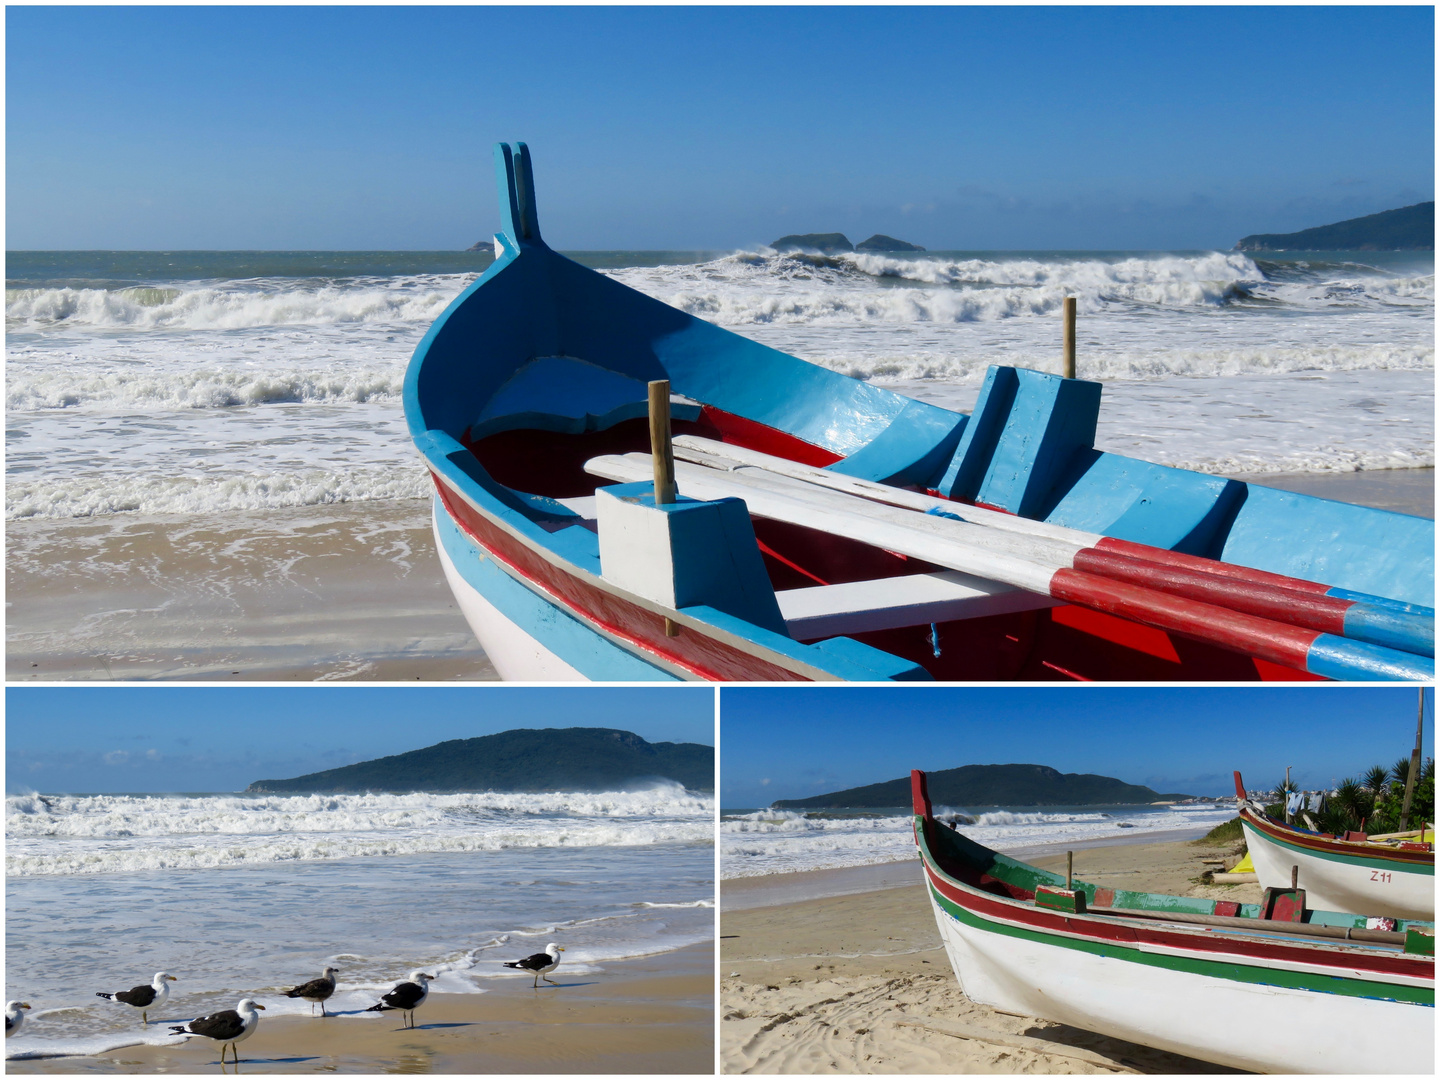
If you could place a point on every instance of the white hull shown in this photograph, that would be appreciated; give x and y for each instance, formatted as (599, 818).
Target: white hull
(1257, 1028)
(1331, 885)
(516, 656)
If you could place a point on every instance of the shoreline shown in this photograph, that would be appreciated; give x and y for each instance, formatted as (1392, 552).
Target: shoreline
(646, 1015)
(341, 592)
(827, 984)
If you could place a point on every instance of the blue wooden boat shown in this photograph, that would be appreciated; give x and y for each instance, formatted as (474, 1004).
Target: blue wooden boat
(827, 529)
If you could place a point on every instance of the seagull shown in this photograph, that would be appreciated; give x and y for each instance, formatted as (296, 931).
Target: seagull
(541, 963)
(15, 1017)
(316, 990)
(227, 1027)
(406, 997)
(145, 998)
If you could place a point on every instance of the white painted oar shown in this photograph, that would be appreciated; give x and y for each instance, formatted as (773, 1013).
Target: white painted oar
(1035, 563)
(1361, 617)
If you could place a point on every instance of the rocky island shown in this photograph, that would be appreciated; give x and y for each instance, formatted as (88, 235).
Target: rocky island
(991, 785)
(523, 760)
(1411, 228)
(881, 242)
(833, 243)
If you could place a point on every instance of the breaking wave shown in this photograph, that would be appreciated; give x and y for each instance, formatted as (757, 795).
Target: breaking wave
(96, 834)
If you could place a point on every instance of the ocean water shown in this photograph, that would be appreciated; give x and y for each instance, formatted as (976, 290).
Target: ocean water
(244, 896)
(202, 383)
(766, 841)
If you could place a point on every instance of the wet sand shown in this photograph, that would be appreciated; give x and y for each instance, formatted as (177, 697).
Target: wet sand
(654, 1015)
(1406, 491)
(834, 984)
(352, 591)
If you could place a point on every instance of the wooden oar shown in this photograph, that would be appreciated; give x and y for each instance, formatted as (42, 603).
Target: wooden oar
(1358, 616)
(1029, 562)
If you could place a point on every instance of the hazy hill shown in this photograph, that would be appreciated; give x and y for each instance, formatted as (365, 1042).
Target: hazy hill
(1411, 228)
(991, 785)
(565, 759)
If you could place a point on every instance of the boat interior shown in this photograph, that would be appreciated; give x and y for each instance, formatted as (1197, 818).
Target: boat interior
(534, 386)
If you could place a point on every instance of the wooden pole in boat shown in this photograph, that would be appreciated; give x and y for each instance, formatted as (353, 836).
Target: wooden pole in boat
(1069, 310)
(662, 452)
(1069, 870)
(1414, 772)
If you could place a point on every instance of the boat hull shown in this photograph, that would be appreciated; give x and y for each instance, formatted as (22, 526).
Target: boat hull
(1147, 998)
(1366, 883)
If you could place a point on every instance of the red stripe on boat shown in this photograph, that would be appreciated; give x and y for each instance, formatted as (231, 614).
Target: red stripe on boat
(1201, 941)
(756, 436)
(1281, 644)
(702, 656)
(1208, 566)
(1323, 613)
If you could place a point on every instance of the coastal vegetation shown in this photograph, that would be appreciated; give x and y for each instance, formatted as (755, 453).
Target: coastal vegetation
(991, 785)
(1410, 228)
(523, 760)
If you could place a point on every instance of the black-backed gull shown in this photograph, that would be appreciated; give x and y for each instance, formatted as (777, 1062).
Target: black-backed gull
(406, 997)
(316, 990)
(15, 1017)
(541, 963)
(228, 1027)
(145, 998)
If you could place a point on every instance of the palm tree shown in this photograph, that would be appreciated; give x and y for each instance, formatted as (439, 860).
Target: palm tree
(1352, 800)
(1400, 770)
(1375, 779)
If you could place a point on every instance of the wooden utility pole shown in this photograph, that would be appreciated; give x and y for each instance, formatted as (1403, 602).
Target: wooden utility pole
(662, 452)
(1414, 773)
(1069, 310)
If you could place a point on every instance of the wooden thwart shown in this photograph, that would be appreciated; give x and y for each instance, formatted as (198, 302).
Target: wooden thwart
(1264, 926)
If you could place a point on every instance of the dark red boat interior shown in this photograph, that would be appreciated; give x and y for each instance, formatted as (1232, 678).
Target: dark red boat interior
(1061, 644)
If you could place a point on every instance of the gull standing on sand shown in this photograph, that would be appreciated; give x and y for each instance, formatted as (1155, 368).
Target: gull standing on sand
(541, 963)
(406, 997)
(145, 998)
(15, 1017)
(316, 990)
(228, 1027)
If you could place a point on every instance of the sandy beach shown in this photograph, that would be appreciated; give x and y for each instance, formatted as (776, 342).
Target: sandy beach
(837, 983)
(351, 591)
(652, 1015)
(348, 591)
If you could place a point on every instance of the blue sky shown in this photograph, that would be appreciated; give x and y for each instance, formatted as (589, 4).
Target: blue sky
(784, 744)
(136, 739)
(689, 128)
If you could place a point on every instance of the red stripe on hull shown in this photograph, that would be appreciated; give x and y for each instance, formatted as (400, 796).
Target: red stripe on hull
(1100, 928)
(1247, 634)
(1322, 613)
(702, 656)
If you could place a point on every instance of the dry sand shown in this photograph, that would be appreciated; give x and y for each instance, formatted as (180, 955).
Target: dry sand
(353, 591)
(642, 1016)
(825, 985)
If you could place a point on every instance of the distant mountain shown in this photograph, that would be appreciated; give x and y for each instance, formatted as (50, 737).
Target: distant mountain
(1411, 228)
(991, 785)
(827, 243)
(523, 760)
(881, 242)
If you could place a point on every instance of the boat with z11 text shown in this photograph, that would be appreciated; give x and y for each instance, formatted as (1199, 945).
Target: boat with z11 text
(1273, 987)
(1365, 874)
(794, 523)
